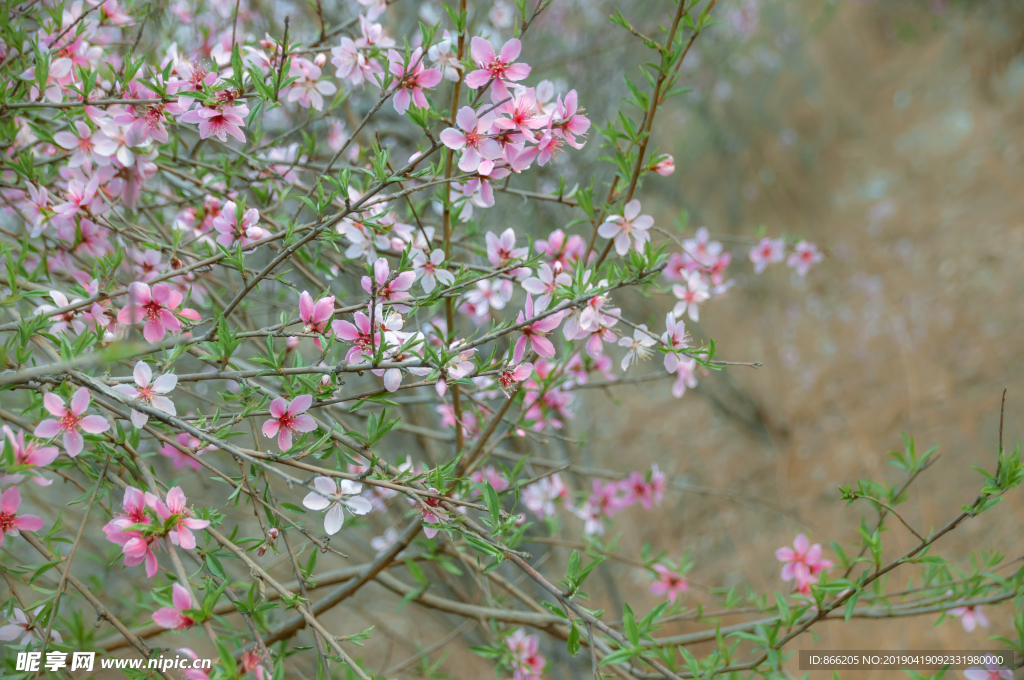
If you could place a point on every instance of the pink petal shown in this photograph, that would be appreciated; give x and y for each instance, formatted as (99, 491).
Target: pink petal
(29, 522)
(168, 618)
(47, 429)
(10, 501)
(271, 427)
(54, 405)
(179, 595)
(165, 383)
(516, 72)
(510, 50)
(143, 374)
(73, 442)
(453, 139)
(477, 79)
(300, 404)
(801, 544)
(94, 424)
(278, 407)
(303, 423)
(482, 52)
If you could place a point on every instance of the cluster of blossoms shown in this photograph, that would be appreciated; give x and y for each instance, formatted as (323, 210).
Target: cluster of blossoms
(159, 518)
(606, 498)
(802, 563)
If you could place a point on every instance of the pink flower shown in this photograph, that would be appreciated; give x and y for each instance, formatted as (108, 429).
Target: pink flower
(428, 271)
(690, 296)
(541, 496)
(970, 617)
(492, 476)
(86, 145)
(702, 249)
(545, 283)
(27, 456)
(178, 459)
(568, 121)
(315, 316)
(19, 626)
(471, 138)
(352, 65)
(510, 376)
(150, 392)
(219, 121)
(497, 69)
(562, 251)
(676, 337)
(183, 521)
(804, 256)
(638, 488)
(137, 548)
(429, 509)
(328, 488)
(252, 660)
(388, 289)
(155, 307)
(288, 419)
(145, 122)
(79, 197)
(529, 662)
(231, 231)
(669, 583)
(767, 251)
(134, 506)
(630, 225)
(685, 377)
(410, 84)
(603, 503)
(523, 115)
(308, 90)
(801, 562)
(10, 522)
(535, 333)
(70, 421)
(175, 618)
(502, 250)
(989, 672)
(359, 335)
(665, 166)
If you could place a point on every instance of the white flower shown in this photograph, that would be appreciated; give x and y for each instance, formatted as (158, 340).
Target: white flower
(639, 346)
(429, 272)
(150, 391)
(335, 518)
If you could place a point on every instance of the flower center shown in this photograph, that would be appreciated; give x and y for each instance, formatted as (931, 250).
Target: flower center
(497, 68)
(6, 523)
(69, 421)
(153, 309)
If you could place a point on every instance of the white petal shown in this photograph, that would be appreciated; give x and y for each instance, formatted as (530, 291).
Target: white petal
(315, 501)
(334, 519)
